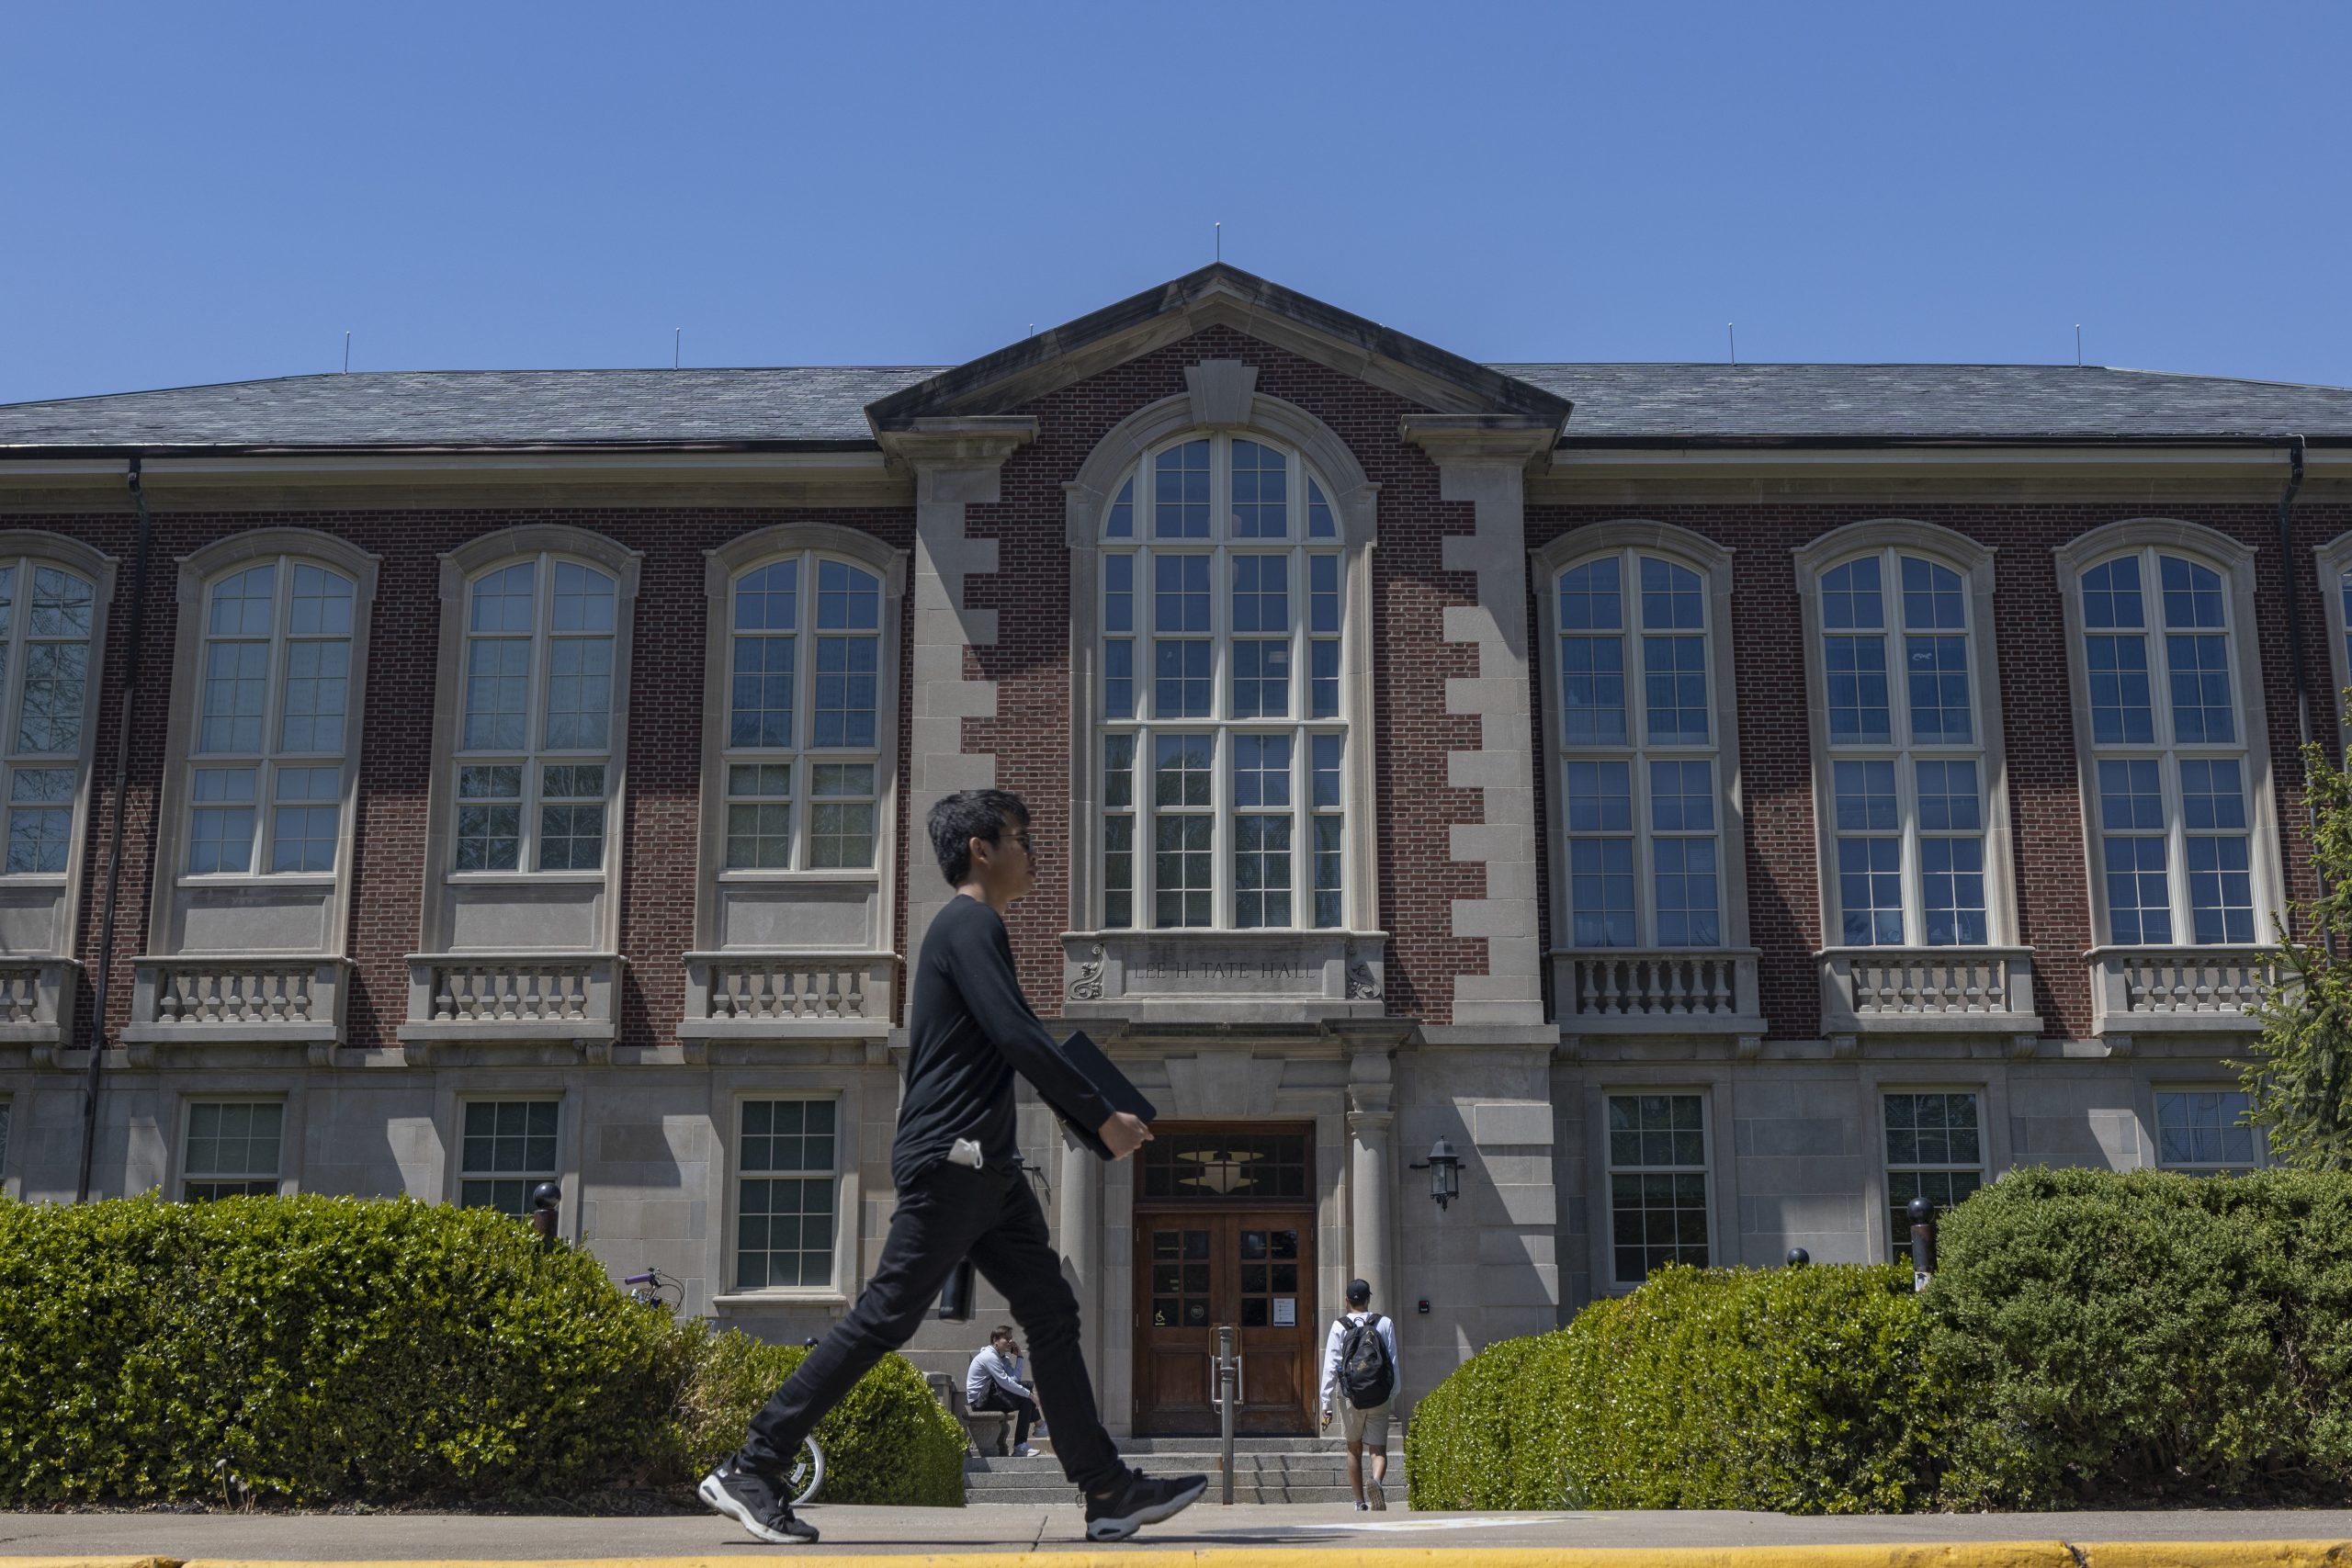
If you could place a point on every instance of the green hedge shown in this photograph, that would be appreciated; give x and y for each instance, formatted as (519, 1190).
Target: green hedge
(315, 1349)
(1793, 1390)
(2148, 1337)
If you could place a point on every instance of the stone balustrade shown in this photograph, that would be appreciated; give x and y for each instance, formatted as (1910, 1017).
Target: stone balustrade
(37, 996)
(1942, 990)
(2151, 989)
(237, 997)
(519, 996)
(1658, 990)
(773, 995)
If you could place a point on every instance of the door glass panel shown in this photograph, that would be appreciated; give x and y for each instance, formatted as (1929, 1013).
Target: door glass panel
(1253, 1244)
(1196, 1244)
(1285, 1279)
(1285, 1243)
(1180, 1287)
(1253, 1279)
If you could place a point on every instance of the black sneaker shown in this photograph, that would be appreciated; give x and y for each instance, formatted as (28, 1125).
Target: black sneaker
(1125, 1506)
(747, 1497)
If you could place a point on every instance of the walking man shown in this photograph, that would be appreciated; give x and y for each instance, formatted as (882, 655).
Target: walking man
(994, 1384)
(1360, 1366)
(961, 1194)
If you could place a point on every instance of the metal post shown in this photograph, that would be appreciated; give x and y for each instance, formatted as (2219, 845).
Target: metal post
(546, 1200)
(1229, 1390)
(1923, 1242)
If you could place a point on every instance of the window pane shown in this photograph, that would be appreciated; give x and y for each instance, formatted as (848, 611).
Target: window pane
(1600, 797)
(241, 604)
(1870, 891)
(236, 680)
(583, 599)
(1180, 492)
(1671, 600)
(497, 695)
(1180, 679)
(1685, 870)
(505, 600)
(222, 829)
(318, 676)
(1857, 695)
(1851, 598)
(759, 835)
(768, 600)
(1590, 599)
(40, 819)
(2221, 889)
(760, 708)
(579, 692)
(321, 605)
(1261, 873)
(1593, 690)
(1261, 770)
(1320, 522)
(847, 685)
(1180, 769)
(1118, 594)
(1121, 523)
(2201, 710)
(1673, 673)
(1937, 667)
(1951, 873)
(48, 717)
(1261, 492)
(841, 834)
(1948, 801)
(62, 603)
(2121, 707)
(847, 598)
(1600, 891)
(1181, 868)
(2139, 906)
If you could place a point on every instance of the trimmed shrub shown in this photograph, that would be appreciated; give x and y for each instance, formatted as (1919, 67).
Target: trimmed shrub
(1792, 1390)
(316, 1349)
(2147, 1337)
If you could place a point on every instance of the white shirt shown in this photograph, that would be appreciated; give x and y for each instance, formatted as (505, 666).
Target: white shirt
(987, 1368)
(1339, 1337)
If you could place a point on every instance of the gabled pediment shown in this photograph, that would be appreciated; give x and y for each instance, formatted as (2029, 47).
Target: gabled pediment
(1225, 296)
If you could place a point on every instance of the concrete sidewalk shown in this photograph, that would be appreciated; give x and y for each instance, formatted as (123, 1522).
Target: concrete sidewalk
(1207, 1533)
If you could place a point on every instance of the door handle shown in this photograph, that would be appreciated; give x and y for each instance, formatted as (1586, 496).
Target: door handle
(1240, 1387)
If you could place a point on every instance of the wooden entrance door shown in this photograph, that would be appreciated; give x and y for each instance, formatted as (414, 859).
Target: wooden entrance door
(1252, 1268)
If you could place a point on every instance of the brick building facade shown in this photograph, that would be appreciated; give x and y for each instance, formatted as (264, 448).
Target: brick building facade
(1720, 802)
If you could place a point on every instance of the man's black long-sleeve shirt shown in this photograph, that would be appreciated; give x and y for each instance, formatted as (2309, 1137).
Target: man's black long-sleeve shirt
(969, 1030)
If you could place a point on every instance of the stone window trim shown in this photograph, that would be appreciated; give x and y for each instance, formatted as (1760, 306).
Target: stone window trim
(1712, 562)
(289, 1172)
(1716, 1088)
(42, 548)
(2335, 561)
(459, 568)
(848, 1104)
(1222, 399)
(1975, 564)
(566, 1092)
(198, 572)
(723, 565)
(1873, 1083)
(9, 1139)
(2236, 563)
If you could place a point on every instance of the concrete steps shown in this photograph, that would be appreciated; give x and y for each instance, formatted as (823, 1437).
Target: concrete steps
(1265, 1470)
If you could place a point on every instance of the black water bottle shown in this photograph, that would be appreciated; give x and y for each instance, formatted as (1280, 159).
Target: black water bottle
(956, 1296)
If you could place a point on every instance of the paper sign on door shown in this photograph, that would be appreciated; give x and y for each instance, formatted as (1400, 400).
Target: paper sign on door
(1285, 1311)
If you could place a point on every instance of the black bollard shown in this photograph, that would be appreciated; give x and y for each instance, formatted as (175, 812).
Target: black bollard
(547, 1198)
(1923, 1242)
(1798, 1257)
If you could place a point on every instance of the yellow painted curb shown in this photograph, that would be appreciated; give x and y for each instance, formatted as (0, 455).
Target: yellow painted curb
(1940, 1554)
(2219, 1554)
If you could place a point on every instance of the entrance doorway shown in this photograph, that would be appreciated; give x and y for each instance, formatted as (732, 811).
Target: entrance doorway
(1225, 1234)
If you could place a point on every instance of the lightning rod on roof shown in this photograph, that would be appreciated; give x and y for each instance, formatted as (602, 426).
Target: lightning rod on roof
(1220, 240)
(2078, 344)
(677, 341)
(1731, 335)
(347, 354)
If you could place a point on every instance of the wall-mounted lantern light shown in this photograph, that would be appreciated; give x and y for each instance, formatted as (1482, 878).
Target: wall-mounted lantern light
(1445, 1172)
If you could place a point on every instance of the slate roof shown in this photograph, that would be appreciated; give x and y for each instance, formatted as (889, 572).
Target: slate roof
(824, 406)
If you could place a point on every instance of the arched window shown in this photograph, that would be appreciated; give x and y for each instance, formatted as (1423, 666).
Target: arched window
(2173, 784)
(1223, 726)
(274, 694)
(48, 619)
(1908, 796)
(802, 748)
(1640, 770)
(534, 726)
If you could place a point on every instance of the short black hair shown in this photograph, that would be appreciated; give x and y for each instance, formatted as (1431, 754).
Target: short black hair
(966, 815)
(1001, 1331)
(1358, 1292)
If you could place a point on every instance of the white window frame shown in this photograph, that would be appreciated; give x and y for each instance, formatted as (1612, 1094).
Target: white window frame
(27, 549)
(445, 887)
(276, 1178)
(267, 762)
(839, 1253)
(1890, 540)
(556, 1173)
(2334, 565)
(2156, 1092)
(1610, 1170)
(2152, 538)
(1630, 539)
(1898, 1239)
(1222, 403)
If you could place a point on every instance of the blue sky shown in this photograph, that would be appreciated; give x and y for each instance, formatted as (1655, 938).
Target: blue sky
(212, 193)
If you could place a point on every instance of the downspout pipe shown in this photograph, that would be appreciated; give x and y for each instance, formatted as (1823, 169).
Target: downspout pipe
(2295, 633)
(124, 705)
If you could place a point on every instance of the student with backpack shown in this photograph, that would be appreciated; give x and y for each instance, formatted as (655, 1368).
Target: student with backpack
(1360, 1366)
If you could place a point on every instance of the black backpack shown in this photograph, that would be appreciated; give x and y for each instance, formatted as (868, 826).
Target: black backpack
(1366, 1375)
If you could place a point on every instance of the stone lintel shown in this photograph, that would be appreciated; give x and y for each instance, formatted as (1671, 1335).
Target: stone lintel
(1481, 440)
(967, 441)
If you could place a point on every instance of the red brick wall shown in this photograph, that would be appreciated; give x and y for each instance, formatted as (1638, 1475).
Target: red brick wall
(2037, 715)
(1411, 664)
(661, 831)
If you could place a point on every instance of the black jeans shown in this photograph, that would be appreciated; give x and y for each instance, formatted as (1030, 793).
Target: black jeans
(948, 1214)
(1023, 1409)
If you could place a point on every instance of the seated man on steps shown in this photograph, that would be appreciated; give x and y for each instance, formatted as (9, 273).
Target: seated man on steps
(994, 1384)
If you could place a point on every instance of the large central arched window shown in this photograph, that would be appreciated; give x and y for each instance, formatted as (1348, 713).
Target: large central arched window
(1223, 730)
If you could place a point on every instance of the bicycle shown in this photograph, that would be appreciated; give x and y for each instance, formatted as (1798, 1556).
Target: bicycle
(807, 1475)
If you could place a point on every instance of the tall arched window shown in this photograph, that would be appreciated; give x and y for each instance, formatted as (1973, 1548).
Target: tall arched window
(2173, 784)
(274, 691)
(1224, 727)
(47, 617)
(534, 727)
(1908, 791)
(802, 748)
(1640, 752)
